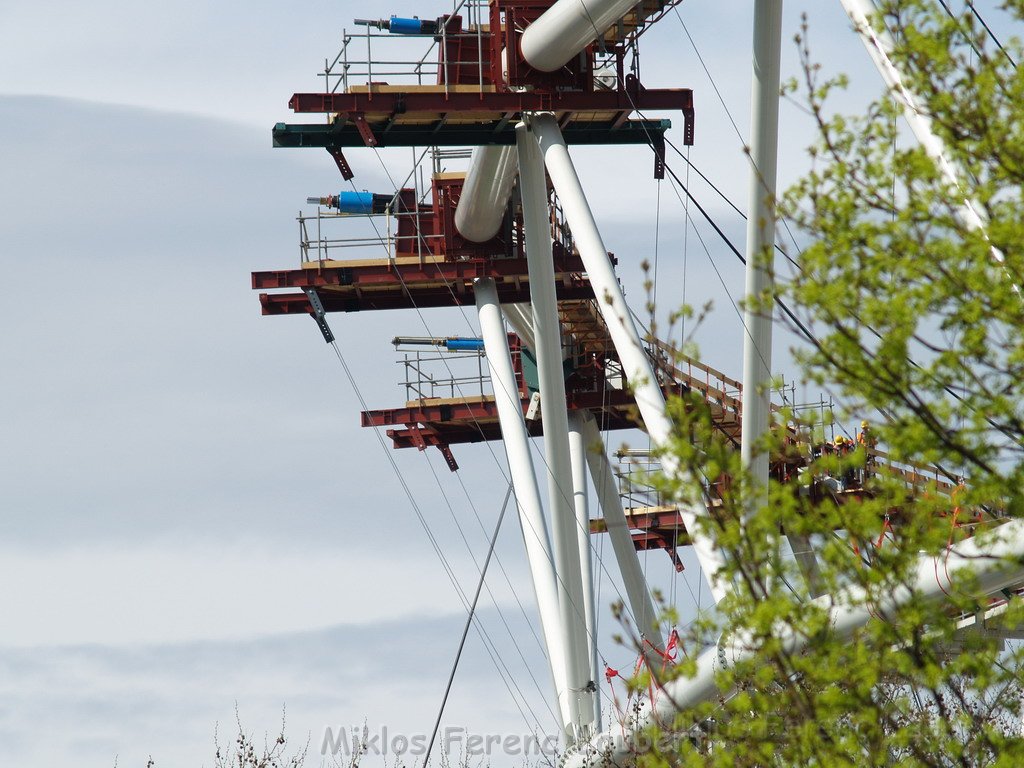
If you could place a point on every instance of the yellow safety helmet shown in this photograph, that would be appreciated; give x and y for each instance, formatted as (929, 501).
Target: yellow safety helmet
(840, 440)
(864, 424)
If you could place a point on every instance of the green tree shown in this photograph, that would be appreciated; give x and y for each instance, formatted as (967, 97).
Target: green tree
(918, 328)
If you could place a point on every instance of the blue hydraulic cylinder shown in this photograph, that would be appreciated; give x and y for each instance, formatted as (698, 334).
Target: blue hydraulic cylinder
(464, 345)
(450, 343)
(397, 25)
(355, 202)
(400, 26)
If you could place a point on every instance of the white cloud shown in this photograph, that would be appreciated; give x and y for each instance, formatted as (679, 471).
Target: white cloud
(84, 705)
(157, 593)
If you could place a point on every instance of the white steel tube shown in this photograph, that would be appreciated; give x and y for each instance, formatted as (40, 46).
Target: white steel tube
(566, 28)
(524, 481)
(547, 335)
(807, 561)
(581, 505)
(644, 383)
(640, 604)
(520, 317)
(757, 312)
(485, 193)
(879, 45)
(995, 562)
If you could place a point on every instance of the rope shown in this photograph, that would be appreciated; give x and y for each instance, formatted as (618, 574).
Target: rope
(431, 538)
(657, 239)
(501, 614)
(974, 11)
(501, 567)
(469, 621)
(970, 42)
(686, 255)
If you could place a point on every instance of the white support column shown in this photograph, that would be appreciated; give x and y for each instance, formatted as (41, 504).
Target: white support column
(566, 28)
(524, 481)
(879, 45)
(520, 317)
(581, 505)
(807, 561)
(640, 604)
(485, 193)
(547, 335)
(757, 314)
(612, 304)
(995, 562)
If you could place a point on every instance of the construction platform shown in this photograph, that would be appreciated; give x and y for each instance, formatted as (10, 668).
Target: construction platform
(437, 115)
(408, 282)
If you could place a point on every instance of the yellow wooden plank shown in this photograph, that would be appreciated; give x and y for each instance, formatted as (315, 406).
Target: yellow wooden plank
(468, 400)
(400, 260)
(414, 88)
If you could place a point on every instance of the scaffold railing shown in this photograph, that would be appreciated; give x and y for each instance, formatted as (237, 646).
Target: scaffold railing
(366, 54)
(435, 375)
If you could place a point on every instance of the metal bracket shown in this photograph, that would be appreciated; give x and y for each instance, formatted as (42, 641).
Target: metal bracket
(318, 314)
(533, 409)
(343, 166)
(448, 457)
(364, 130)
(417, 436)
(674, 557)
(658, 144)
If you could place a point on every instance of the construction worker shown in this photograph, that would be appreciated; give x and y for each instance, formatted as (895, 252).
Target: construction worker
(844, 447)
(867, 440)
(866, 437)
(837, 448)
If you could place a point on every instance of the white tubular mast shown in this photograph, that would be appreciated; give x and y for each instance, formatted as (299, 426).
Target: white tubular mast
(640, 604)
(995, 562)
(578, 457)
(485, 193)
(757, 316)
(524, 481)
(533, 190)
(879, 46)
(520, 317)
(566, 28)
(642, 379)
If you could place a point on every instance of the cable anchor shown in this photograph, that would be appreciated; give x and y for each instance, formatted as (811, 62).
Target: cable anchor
(319, 314)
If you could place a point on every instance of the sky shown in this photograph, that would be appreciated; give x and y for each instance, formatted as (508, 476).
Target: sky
(193, 522)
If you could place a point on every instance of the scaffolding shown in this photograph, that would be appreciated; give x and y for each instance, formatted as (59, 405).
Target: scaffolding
(434, 375)
(357, 62)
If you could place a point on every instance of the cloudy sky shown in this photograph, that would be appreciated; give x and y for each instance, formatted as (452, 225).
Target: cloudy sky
(192, 518)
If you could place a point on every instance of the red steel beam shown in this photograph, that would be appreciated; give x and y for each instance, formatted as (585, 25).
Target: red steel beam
(646, 541)
(428, 414)
(439, 414)
(452, 434)
(643, 521)
(506, 101)
(415, 297)
(386, 272)
(658, 540)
